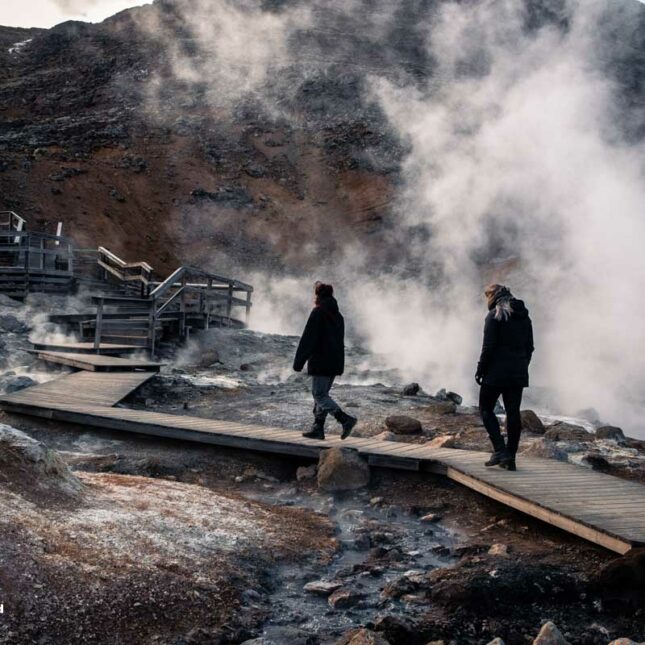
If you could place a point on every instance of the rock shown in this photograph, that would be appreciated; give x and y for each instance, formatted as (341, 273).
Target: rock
(550, 635)
(115, 194)
(306, 472)
(443, 395)
(397, 629)
(561, 431)
(610, 432)
(377, 501)
(544, 449)
(499, 549)
(621, 582)
(411, 389)
(9, 323)
(16, 383)
(344, 598)
(402, 424)
(362, 637)
(322, 587)
(6, 301)
(625, 641)
(342, 469)
(497, 641)
(531, 422)
(28, 463)
(596, 460)
(430, 518)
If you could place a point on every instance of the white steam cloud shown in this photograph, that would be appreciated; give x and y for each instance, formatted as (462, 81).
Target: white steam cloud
(527, 159)
(516, 168)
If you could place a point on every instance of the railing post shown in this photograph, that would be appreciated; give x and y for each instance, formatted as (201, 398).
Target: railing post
(247, 315)
(152, 327)
(182, 308)
(229, 304)
(99, 324)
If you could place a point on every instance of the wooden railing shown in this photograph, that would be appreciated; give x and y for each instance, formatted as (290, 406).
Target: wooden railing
(194, 290)
(35, 252)
(125, 271)
(187, 292)
(10, 221)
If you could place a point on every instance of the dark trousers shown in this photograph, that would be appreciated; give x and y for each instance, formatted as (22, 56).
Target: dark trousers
(512, 397)
(323, 403)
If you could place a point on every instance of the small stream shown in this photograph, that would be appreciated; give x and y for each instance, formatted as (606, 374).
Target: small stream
(380, 544)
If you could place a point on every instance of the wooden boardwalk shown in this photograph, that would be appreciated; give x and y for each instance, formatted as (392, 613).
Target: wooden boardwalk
(98, 362)
(597, 507)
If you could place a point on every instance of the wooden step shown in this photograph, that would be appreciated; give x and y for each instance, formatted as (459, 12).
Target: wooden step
(85, 347)
(98, 362)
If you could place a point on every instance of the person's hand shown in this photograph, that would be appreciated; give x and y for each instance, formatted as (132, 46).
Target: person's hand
(479, 378)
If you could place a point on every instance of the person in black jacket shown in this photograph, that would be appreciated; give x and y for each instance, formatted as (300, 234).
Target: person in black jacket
(503, 369)
(322, 347)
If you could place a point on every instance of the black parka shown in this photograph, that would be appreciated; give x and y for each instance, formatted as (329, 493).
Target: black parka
(322, 345)
(507, 348)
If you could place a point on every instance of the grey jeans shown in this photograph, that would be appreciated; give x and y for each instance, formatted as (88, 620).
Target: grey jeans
(323, 403)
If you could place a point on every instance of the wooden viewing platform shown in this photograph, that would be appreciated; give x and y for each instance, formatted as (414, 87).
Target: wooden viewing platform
(594, 506)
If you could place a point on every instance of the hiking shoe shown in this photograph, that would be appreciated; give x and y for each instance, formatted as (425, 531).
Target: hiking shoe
(497, 458)
(317, 432)
(313, 434)
(509, 465)
(347, 422)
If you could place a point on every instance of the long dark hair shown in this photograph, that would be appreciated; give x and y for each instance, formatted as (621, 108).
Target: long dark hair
(322, 291)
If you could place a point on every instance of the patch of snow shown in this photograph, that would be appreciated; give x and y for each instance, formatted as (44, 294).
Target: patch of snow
(16, 48)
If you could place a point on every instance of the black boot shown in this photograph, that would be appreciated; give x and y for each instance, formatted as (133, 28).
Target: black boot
(318, 428)
(509, 464)
(348, 422)
(497, 457)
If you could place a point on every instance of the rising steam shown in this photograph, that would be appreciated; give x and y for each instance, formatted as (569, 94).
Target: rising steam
(519, 170)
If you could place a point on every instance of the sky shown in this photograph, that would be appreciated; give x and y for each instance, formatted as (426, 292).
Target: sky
(47, 13)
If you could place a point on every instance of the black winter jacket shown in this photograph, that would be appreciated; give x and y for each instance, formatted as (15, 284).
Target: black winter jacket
(507, 348)
(322, 343)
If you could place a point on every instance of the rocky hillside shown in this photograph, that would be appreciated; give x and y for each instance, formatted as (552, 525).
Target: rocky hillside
(178, 131)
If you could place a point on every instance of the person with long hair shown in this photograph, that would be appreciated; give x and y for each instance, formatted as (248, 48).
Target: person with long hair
(322, 347)
(503, 369)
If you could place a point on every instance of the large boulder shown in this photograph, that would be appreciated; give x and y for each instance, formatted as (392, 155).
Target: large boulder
(561, 431)
(610, 432)
(531, 422)
(342, 469)
(550, 635)
(402, 424)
